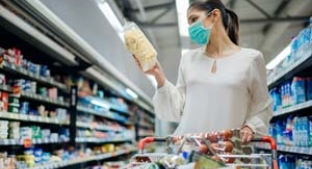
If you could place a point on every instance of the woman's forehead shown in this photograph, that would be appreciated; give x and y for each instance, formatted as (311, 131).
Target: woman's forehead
(193, 11)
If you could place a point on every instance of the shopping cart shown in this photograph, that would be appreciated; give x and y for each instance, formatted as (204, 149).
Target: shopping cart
(174, 146)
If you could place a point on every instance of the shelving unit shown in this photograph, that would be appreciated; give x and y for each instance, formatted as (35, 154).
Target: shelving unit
(19, 142)
(32, 118)
(43, 99)
(97, 127)
(36, 97)
(107, 114)
(28, 34)
(287, 149)
(99, 140)
(56, 165)
(299, 65)
(21, 71)
(292, 109)
(291, 125)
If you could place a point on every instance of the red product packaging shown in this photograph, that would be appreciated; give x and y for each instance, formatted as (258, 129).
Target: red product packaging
(4, 98)
(53, 93)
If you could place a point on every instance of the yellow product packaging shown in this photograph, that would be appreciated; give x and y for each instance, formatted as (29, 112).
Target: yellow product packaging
(110, 148)
(138, 44)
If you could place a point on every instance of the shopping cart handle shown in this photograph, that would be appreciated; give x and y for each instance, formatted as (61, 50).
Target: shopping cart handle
(267, 139)
(147, 140)
(273, 145)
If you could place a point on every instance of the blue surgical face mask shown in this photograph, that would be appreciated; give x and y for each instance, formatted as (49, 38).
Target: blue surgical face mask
(198, 33)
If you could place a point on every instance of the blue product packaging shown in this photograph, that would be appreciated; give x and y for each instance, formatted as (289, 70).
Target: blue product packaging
(298, 90)
(310, 130)
(309, 88)
(282, 162)
(279, 132)
(45, 157)
(44, 71)
(310, 30)
(294, 48)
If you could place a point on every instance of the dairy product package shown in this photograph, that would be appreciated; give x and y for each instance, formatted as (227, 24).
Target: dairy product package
(138, 44)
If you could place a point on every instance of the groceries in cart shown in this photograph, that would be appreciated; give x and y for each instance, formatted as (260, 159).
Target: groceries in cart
(204, 151)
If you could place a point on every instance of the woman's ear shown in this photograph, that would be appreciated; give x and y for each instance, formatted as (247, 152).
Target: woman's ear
(215, 15)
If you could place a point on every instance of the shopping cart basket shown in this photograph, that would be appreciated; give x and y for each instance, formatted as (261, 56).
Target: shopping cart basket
(141, 159)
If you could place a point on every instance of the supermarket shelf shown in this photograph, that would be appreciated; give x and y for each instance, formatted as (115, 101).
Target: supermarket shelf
(287, 149)
(146, 134)
(115, 109)
(98, 140)
(102, 114)
(6, 88)
(294, 108)
(34, 141)
(146, 126)
(292, 69)
(97, 127)
(44, 99)
(37, 97)
(22, 71)
(56, 165)
(31, 118)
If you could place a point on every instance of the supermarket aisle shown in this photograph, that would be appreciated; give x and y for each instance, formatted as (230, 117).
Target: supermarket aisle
(71, 95)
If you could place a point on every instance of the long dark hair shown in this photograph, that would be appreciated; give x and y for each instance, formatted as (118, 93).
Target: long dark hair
(229, 17)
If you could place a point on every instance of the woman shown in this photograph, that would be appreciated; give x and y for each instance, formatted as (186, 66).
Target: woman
(221, 85)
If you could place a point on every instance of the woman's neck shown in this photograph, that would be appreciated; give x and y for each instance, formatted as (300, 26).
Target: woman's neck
(221, 46)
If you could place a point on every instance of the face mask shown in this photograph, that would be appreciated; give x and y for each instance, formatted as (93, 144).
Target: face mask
(198, 33)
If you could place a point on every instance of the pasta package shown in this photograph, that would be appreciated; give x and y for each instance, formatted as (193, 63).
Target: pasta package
(138, 44)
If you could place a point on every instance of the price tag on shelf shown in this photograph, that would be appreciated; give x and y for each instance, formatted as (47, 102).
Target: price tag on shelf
(46, 119)
(15, 116)
(304, 150)
(23, 117)
(5, 142)
(27, 143)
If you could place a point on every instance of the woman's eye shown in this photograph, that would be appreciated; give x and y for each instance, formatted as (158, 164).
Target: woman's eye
(192, 20)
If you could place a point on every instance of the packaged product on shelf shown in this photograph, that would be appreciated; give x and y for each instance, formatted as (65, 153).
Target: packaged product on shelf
(24, 108)
(277, 100)
(138, 44)
(310, 130)
(26, 133)
(310, 30)
(44, 71)
(64, 134)
(14, 130)
(53, 93)
(13, 55)
(36, 132)
(4, 101)
(298, 90)
(2, 79)
(309, 88)
(4, 127)
(46, 133)
(286, 95)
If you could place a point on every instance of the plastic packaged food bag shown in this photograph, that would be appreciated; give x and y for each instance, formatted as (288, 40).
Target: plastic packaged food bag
(138, 44)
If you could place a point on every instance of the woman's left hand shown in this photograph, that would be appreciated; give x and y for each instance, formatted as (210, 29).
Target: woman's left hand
(246, 134)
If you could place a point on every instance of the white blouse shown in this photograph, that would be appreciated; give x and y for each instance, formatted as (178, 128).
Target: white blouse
(235, 95)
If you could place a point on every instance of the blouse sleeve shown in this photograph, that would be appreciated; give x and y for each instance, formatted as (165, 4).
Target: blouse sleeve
(260, 109)
(169, 100)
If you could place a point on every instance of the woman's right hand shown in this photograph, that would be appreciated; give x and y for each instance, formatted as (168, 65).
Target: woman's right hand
(156, 71)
